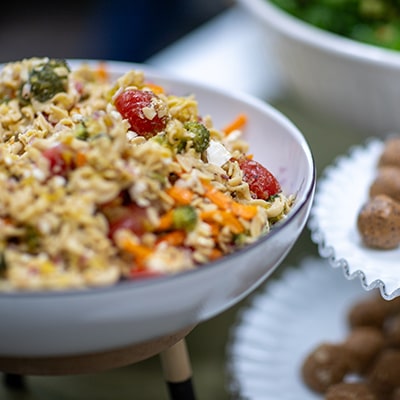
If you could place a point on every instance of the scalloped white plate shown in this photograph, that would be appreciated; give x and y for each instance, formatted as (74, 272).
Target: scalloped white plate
(341, 192)
(308, 304)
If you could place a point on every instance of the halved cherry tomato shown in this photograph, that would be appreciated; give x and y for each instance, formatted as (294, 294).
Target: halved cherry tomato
(143, 274)
(60, 159)
(132, 218)
(143, 110)
(261, 181)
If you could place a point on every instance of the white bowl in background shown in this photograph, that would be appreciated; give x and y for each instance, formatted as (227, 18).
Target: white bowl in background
(82, 322)
(355, 83)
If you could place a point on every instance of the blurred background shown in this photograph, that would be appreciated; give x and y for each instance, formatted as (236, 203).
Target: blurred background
(124, 30)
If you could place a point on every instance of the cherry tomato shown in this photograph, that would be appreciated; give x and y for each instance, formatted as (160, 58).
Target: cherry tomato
(143, 274)
(59, 159)
(132, 218)
(143, 110)
(262, 183)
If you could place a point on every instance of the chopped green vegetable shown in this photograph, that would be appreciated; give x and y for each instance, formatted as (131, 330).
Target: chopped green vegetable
(239, 239)
(157, 177)
(45, 81)
(81, 132)
(195, 135)
(375, 22)
(4, 99)
(201, 138)
(3, 264)
(31, 238)
(184, 217)
(161, 139)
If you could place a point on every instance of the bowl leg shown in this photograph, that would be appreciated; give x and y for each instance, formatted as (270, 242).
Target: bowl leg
(177, 370)
(14, 381)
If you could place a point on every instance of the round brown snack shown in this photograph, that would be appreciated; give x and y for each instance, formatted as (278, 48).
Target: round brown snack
(325, 366)
(371, 311)
(350, 391)
(384, 376)
(370, 352)
(396, 394)
(392, 331)
(379, 222)
(390, 153)
(393, 305)
(363, 345)
(387, 181)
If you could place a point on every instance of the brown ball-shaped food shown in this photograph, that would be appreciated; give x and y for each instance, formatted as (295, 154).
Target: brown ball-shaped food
(390, 152)
(387, 181)
(395, 394)
(371, 311)
(384, 376)
(326, 365)
(393, 305)
(378, 222)
(392, 331)
(363, 344)
(350, 391)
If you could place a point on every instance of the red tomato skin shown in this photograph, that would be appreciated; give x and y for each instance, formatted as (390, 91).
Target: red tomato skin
(143, 274)
(132, 218)
(130, 105)
(58, 162)
(261, 181)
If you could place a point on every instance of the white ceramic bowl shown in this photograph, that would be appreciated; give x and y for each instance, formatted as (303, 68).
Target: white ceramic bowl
(354, 83)
(81, 322)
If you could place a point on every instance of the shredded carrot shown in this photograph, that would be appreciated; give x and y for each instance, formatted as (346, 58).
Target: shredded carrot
(215, 254)
(207, 216)
(102, 71)
(80, 159)
(157, 89)
(245, 211)
(166, 221)
(211, 218)
(237, 123)
(224, 202)
(228, 219)
(181, 196)
(215, 228)
(223, 218)
(216, 196)
(174, 238)
(6, 220)
(139, 251)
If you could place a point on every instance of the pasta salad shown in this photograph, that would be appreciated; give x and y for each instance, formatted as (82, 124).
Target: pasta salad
(106, 179)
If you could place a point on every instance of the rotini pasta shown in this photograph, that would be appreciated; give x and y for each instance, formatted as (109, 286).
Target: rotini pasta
(110, 180)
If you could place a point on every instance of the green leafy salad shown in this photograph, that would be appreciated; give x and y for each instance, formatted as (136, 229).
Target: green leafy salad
(375, 22)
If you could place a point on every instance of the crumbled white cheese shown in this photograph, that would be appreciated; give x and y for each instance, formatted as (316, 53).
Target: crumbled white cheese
(59, 181)
(149, 112)
(8, 160)
(76, 117)
(217, 153)
(131, 135)
(38, 174)
(233, 136)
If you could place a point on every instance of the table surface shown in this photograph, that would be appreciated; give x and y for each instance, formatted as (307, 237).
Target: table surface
(229, 51)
